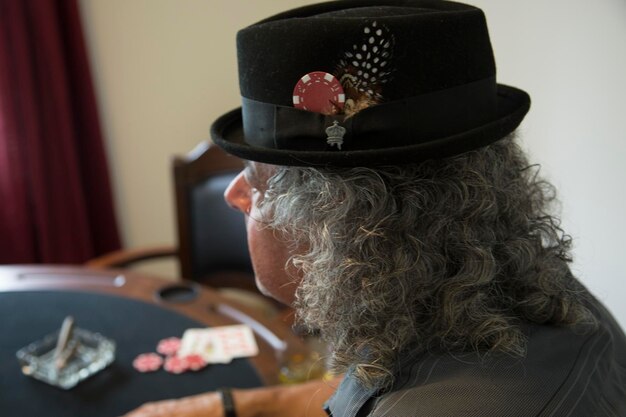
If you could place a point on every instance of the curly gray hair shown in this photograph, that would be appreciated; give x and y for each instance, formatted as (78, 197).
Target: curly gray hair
(448, 255)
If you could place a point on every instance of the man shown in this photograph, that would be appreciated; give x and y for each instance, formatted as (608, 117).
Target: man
(388, 201)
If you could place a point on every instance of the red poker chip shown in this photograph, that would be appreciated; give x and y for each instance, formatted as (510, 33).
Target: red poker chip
(319, 92)
(169, 346)
(195, 362)
(176, 365)
(147, 362)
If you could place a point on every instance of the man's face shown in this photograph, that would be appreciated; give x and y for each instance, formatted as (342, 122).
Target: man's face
(269, 254)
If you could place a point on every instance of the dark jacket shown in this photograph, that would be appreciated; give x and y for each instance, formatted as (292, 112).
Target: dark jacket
(564, 373)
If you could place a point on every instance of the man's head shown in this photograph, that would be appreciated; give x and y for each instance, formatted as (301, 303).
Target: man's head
(456, 254)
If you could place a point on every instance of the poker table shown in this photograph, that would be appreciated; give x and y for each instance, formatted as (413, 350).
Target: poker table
(134, 310)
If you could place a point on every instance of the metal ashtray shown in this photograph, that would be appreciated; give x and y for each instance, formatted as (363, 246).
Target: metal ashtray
(66, 357)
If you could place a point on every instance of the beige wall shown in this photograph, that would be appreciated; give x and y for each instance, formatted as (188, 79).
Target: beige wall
(164, 69)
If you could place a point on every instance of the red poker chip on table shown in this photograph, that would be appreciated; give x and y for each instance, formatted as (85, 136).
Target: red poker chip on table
(319, 92)
(169, 346)
(176, 365)
(195, 362)
(147, 362)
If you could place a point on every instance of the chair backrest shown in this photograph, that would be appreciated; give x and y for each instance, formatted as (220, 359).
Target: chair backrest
(212, 241)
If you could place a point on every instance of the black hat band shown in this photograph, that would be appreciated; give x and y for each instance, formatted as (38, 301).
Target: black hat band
(403, 122)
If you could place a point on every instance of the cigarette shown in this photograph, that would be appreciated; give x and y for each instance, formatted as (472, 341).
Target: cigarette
(68, 353)
(65, 334)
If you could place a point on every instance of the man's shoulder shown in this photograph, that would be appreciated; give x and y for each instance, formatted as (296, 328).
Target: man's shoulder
(563, 374)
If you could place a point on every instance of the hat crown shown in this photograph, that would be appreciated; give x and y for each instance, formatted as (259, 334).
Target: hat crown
(436, 45)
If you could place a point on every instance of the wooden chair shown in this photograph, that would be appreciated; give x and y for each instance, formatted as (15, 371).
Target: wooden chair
(212, 247)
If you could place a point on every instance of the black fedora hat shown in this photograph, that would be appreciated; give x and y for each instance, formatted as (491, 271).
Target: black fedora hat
(366, 82)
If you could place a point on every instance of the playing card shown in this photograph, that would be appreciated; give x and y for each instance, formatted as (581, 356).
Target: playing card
(219, 344)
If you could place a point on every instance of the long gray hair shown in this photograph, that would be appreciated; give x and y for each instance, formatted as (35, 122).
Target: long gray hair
(448, 255)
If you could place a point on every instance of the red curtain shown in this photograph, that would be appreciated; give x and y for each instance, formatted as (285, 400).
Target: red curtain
(55, 198)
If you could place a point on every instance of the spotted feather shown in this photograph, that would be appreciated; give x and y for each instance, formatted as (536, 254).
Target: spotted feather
(365, 68)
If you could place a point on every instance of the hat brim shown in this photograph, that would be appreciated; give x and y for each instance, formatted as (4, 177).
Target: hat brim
(512, 106)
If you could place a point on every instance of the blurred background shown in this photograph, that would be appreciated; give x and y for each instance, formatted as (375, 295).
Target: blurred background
(164, 70)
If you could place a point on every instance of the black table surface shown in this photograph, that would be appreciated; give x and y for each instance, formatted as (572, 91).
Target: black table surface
(136, 327)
